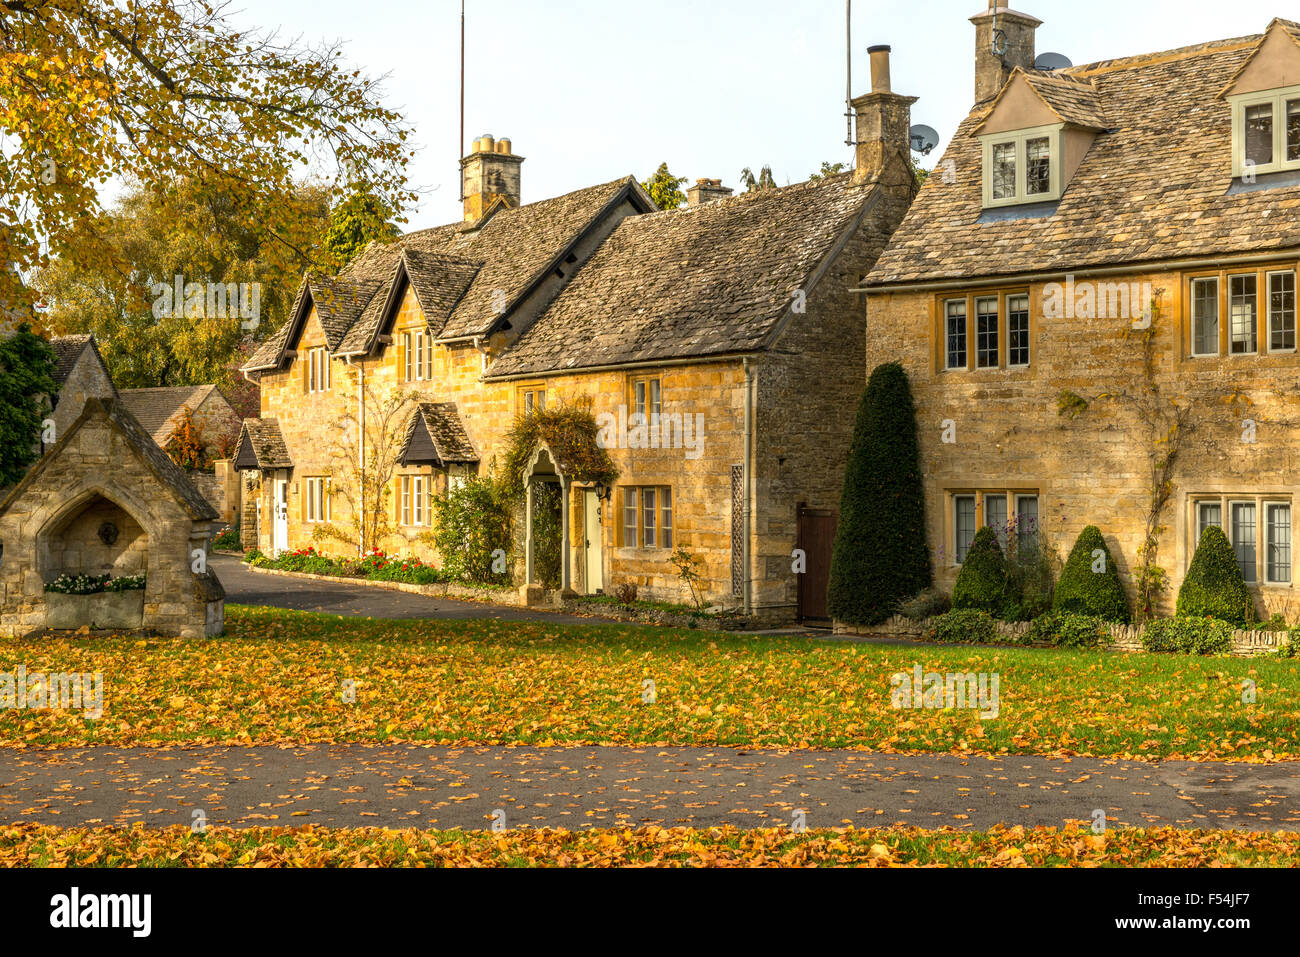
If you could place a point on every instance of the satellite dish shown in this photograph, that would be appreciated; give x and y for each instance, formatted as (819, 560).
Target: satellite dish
(1047, 62)
(924, 138)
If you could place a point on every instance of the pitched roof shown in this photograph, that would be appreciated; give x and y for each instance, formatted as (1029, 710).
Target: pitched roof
(1073, 99)
(169, 474)
(713, 279)
(508, 253)
(262, 440)
(1155, 187)
(159, 409)
(436, 427)
(67, 350)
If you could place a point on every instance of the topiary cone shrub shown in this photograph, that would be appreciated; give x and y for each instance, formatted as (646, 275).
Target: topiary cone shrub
(1214, 587)
(1089, 583)
(982, 581)
(880, 556)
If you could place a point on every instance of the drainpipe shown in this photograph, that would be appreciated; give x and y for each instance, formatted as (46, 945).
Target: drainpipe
(749, 452)
(361, 453)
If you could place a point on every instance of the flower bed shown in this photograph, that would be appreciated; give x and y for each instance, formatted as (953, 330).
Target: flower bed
(94, 584)
(375, 565)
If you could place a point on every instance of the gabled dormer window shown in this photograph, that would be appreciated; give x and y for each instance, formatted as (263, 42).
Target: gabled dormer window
(1023, 166)
(1265, 131)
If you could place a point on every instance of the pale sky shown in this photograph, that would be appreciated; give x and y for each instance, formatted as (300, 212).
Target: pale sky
(591, 90)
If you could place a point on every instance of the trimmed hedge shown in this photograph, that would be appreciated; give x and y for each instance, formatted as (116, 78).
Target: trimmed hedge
(982, 581)
(1083, 591)
(880, 556)
(1214, 587)
(968, 626)
(1063, 629)
(1188, 636)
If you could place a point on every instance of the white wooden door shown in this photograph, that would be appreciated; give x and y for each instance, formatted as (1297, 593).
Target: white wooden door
(595, 557)
(280, 533)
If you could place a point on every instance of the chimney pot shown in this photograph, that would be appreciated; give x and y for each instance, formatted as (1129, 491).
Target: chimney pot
(879, 68)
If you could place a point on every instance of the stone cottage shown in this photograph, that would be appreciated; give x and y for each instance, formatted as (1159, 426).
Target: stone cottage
(106, 501)
(721, 345)
(161, 410)
(1095, 299)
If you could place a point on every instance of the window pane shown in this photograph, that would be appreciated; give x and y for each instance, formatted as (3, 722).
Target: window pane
(666, 514)
(648, 517)
(1279, 543)
(528, 403)
(955, 310)
(406, 346)
(406, 500)
(1207, 514)
(1017, 330)
(1292, 132)
(1038, 166)
(1243, 537)
(1259, 134)
(655, 408)
(1027, 521)
(639, 391)
(1205, 317)
(629, 517)
(1242, 297)
(1281, 310)
(986, 333)
(995, 517)
(964, 525)
(1004, 171)
(541, 399)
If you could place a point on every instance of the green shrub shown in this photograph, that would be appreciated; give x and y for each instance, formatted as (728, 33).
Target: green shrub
(1188, 636)
(252, 555)
(228, 540)
(1031, 574)
(1214, 587)
(925, 604)
(968, 626)
(1090, 582)
(1063, 629)
(471, 522)
(982, 581)
(880, 556)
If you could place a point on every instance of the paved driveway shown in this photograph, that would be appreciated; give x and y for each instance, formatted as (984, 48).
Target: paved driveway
(408, 786)
(244, 587)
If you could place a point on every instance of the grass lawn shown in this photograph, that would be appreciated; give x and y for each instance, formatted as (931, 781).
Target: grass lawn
(279, 677)
(30, 845)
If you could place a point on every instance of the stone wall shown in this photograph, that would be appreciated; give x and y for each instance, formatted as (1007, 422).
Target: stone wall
(1095, 468)
(86, 380)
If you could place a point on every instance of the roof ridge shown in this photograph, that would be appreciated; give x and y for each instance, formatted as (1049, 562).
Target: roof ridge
(1161, 56)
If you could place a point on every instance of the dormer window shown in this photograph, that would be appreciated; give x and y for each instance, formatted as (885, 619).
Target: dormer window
(1022, 166)
(1266, 131)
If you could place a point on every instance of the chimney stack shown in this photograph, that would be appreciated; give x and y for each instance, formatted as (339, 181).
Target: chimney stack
(706, 191)
(1004, 40)
(490, 172)
(884, 123)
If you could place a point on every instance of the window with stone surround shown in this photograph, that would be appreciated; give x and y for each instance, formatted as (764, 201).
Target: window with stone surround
(646, 396)
(646, 516)
(413, 503)
(1257, 307)
(530, 399)
(1259, 528)
(998, 337)
(417, 352)
(318, 370)
(1011, 514)
(316, 500)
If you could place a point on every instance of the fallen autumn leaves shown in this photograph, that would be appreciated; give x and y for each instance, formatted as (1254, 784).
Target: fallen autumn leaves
(43, 846)
(280, 677)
